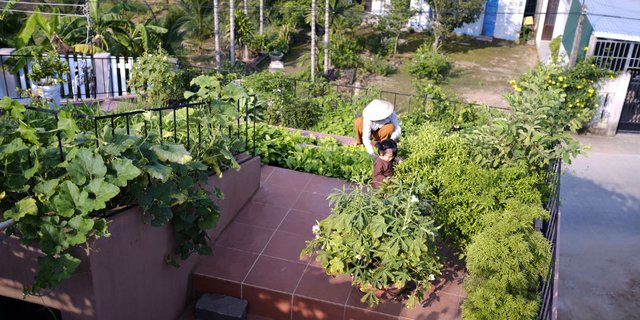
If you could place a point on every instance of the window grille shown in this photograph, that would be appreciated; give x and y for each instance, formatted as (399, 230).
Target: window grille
(617, 55)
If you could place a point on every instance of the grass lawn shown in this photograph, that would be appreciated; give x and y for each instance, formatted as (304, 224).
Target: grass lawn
(481, 73)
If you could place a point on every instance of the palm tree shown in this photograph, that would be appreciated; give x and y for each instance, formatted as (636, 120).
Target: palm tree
(245, 54)
(232, 33)
(261, 17)
(313, 40)
(216, 33)
(189, 23)
(326, 37)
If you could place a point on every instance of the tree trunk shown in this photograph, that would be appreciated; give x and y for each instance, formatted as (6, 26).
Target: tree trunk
(395, 44)
(216, 33)
(232, 33)
(261, 17)
(326, 37)
(245, 53)
(313, 40)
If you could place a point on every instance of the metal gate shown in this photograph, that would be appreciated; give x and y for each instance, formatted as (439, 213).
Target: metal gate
(630, 117)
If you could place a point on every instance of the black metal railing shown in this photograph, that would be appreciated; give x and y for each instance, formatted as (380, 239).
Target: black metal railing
(550, 229)
(241, 131)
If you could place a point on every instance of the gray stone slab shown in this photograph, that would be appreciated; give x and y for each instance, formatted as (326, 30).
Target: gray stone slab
(599, 259)
(212, 306)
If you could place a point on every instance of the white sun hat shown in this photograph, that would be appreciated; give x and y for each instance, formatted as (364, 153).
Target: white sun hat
(378, 110)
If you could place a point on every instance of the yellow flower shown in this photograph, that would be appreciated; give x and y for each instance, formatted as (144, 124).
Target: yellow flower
(579, 87)
(561, 78)
(518, 89)
(585, 49)
(590, 90)
(565, 85)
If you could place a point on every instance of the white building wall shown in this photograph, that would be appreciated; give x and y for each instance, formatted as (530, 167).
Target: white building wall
(540, 25)
(561, 18)
(473, 28)
(509, 19)
(421, 20)
(378, 6)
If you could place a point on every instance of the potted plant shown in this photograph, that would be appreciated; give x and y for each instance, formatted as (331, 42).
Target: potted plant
(46, 75)
(384, 239)
(277, 48)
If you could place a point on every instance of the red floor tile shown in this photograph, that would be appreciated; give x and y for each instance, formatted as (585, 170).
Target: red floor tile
(277, 274)
(312, 309)
(286, 246)
(313, 202)
(226, 263)
(245, 237)
(300, 222)
(351, 313)
(441, 306)
(265, 303)
(317, 284)
(261, 215)
(325, 185)
(288, 178)
(207, 284)
(392, 307)
(276, 195)
(265, 173)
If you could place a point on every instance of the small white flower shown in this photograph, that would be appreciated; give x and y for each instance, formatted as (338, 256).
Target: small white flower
(432, 277)
(315, 229)
(358, 257)
(317, 236)
(414, 198)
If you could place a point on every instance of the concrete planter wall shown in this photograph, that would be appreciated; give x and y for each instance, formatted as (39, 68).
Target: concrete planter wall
(125, 276)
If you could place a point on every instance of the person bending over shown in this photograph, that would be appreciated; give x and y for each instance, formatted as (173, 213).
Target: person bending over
(378, 122)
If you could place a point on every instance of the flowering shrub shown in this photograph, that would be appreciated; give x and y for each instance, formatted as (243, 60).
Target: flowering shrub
(429, 64)
(381, 239)
(579, 85)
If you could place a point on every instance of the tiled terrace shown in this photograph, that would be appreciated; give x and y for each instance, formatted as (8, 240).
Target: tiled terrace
(257, 258)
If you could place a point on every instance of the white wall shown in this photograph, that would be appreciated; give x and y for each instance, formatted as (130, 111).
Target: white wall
(421, 20)
(561, 19)
(613, 94)
(509, 19)
(378, 6)
(541, 17)
(473, 28)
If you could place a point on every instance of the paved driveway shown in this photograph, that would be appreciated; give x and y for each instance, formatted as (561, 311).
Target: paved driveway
(600, 231)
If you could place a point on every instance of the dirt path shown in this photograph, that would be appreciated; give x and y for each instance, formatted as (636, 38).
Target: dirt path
(482, 74)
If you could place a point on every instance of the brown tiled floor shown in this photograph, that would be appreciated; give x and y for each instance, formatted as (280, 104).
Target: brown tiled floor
(257, 258)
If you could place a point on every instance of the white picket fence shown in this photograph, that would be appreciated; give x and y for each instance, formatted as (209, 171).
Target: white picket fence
(90, 77)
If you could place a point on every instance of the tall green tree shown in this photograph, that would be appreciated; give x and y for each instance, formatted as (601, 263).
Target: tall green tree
(396, 17)
(451, 14)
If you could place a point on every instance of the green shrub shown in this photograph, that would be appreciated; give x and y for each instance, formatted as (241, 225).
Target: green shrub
(380, 239)
(506, 262)
(154, 78)
(429, 64)
(345, 52)
(378, 65)
(461, 190)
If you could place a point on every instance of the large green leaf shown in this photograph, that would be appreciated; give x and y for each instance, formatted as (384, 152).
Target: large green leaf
(159, 171)
(22, 208)
(125, 171)
(86, 164)
(100, 192)
(170, 152)
(70, 198)
(47, 187)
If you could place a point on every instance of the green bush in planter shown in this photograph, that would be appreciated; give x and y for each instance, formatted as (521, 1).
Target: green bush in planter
(506, 262)
(380, 239)
(47, 70)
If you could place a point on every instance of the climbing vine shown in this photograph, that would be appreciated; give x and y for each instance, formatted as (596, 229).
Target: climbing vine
(55, 201)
